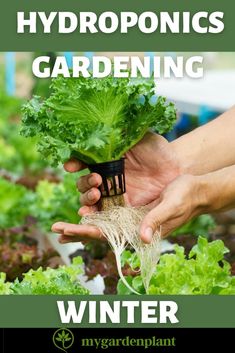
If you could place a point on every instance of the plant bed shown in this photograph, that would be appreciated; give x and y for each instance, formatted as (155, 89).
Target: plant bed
(19, 251)
(78, 121)
(222, 228)
(31, 181)
(203, 271)
(99, 260)
(63, 280)
(22, 236)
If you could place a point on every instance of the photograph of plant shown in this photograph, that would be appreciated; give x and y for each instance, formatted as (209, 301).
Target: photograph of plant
(57, 133)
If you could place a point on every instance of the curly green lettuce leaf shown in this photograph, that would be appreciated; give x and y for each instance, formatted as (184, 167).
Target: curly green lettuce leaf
(15, 201)
(10, 109)
(55, 202)
(17, 155)
(63, 280)
(95, 120)
(4, 286)
(204, 272)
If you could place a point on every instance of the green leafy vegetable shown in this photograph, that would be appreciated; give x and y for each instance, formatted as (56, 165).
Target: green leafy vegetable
(56, 202)
(202, 224)
(51, 202)
(4, 286)
(96, 120)
(204, 272)
(19, 251)
(15, 201)
(10, 109)
(17, 155)
(62, 280)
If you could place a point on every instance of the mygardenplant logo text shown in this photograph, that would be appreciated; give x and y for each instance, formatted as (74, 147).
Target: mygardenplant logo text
(105, 343)
(63, 339)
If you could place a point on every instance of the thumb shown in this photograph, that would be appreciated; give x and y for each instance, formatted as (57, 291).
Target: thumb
(153, 220)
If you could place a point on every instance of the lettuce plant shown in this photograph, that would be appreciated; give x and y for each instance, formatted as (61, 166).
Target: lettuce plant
(202, 224)
(15, 202)
(56, 201)
(95, 120)
(63, 280)
(204, 271)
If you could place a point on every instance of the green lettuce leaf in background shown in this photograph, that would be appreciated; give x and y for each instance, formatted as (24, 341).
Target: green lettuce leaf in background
(15, 201)
(204, 272)
(63, 280)
(202, 224)
(54, 202)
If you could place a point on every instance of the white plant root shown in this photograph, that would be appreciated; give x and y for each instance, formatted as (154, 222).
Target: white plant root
(120, 226)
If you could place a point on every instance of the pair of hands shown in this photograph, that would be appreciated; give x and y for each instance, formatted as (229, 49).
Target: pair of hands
(154, 177)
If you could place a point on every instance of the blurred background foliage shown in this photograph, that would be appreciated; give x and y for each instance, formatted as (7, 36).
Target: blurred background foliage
(33, 195)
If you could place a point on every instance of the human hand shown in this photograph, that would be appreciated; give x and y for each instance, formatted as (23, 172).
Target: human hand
(183, 199)
(149, 167)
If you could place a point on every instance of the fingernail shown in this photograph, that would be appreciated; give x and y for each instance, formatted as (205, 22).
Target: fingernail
(67, 232)
(91, 180)
(90, 196)
(56, 229)
(148, 234)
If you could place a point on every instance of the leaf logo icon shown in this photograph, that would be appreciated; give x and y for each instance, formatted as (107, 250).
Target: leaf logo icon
(63, 339)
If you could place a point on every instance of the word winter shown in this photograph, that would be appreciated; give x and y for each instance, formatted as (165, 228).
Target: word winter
(151, 312)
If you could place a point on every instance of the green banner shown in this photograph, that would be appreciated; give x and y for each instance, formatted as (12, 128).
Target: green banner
(192, 311)
(185, 37)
